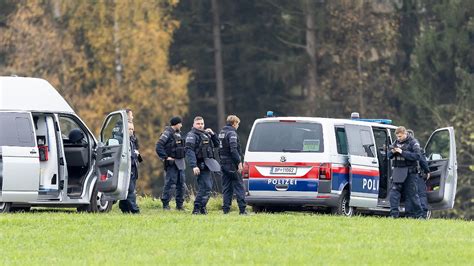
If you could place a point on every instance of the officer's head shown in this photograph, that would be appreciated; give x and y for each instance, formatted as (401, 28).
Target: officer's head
(130, 115)
(233, 120)
(401, 133)
(131, 128)
(198, 123)
(176, 123)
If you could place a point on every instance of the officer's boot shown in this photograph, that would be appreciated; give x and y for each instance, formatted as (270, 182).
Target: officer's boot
(179, 207)
(243, 212)
(225, 210)
(196, 210)
(166, 206)
(204, 210)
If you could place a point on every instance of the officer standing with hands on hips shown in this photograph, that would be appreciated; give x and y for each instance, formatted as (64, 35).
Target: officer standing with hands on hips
(200, 145)
(405, 152)
(170, 149)
(231, 163)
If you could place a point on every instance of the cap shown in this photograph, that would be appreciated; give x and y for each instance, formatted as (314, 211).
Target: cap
(175, 120)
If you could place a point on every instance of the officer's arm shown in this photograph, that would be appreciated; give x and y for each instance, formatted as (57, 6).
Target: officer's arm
(215, 140)
(414, 155)
(234, 151)
(190, 147)
(160, 146)
(390, 154)
(424, 164)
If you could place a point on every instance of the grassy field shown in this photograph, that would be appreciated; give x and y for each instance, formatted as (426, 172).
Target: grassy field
(158, 237)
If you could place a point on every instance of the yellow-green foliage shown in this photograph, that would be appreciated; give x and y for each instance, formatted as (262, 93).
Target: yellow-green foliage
(104, 56)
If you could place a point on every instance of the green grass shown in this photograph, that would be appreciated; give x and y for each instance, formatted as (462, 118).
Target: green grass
(158, 237)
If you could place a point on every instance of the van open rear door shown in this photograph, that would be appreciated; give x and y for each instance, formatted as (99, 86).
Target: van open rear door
(19, 158)
(113, 163)
(441, 153)
(364, 166)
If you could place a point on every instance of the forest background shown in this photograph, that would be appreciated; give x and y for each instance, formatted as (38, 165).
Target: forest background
(408, 60)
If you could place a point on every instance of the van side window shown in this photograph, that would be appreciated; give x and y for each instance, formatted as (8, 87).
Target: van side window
(16, 130)
(361, 142)
(69, 127)
(341, 140)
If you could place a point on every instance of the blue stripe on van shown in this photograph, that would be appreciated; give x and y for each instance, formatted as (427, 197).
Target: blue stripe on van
(268, 184)
(365, 184)
(339, 181)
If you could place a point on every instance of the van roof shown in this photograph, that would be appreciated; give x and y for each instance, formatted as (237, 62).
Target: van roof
(31, 94)
(324, 120)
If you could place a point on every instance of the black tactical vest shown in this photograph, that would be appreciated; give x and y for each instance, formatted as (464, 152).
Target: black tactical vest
(175, 145)
(205, 147)
(399, 160)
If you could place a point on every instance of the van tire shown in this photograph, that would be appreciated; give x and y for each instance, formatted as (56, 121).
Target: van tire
(343, 207)
(97, 204)
(5, 207)
(20, 209)
(258, 209)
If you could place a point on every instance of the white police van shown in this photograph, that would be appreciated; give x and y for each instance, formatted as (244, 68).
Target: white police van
(49, 157)
(340, 164)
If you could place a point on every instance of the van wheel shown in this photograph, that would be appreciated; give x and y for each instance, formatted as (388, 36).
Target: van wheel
(343, 207)
(97, 203)
(20, 209)
(257, 209)
(5, 207)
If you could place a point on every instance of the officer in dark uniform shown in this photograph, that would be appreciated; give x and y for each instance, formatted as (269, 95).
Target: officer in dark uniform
(129, 205)
(200, 145)
(231, 163)
(170, 149)
(423, 175)
(405, 152)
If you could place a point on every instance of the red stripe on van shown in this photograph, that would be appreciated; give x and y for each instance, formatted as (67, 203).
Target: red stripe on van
(365, 172)
(312, 174)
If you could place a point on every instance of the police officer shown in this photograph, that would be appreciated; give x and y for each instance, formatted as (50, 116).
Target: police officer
(405, 153)
(170, 149)
(231, 163)
(423, 175)
(129, 205)
(200, 145)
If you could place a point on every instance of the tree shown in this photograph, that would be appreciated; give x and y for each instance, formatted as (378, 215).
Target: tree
(104, 56)
(442, 85)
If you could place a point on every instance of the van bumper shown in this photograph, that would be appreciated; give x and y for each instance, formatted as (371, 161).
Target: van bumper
(321, 200)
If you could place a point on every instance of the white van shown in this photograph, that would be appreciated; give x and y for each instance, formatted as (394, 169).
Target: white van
(338, 164)
(48, 156)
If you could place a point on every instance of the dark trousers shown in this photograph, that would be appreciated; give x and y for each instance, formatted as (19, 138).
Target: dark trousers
(174, 176)
(204, 182)
(130, 204)
(409, 190)
(232, 182)
(421, 191)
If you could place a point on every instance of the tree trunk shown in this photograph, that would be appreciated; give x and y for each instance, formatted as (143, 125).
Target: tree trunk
(312, 104)
(118, 59)
(360, 53)
(219, 69)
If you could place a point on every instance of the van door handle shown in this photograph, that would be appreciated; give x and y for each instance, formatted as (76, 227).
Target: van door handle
(374, 162)
(33, 152)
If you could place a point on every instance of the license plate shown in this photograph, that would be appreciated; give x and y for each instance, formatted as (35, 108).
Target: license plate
(283, 170)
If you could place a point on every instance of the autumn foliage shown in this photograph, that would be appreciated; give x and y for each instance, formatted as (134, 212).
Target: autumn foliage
(103, 56)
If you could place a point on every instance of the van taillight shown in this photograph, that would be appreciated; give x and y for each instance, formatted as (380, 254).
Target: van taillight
(245, 171)
(325, 171)
(103, 177)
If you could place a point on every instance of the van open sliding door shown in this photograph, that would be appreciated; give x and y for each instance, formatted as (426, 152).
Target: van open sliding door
(364, 174)
(19, 158)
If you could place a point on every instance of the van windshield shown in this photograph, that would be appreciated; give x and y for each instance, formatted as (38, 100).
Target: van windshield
(287, 137)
